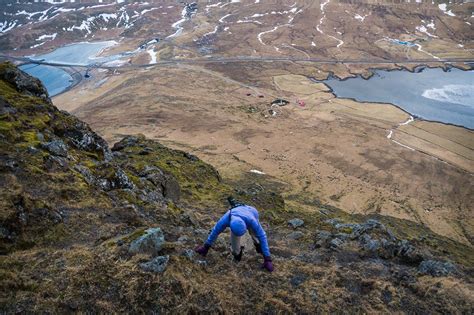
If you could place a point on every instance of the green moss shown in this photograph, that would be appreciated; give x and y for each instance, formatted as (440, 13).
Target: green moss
(134, 235)
(19, 101)
(89, 163)
(346, 230)
(8, 129)
(38, 121)
(133, 178)
(6, 89)
(34, 169)
(28, 139)
(199, 182)
(173, 208)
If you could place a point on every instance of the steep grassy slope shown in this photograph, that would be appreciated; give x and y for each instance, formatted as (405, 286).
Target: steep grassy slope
(70, 207)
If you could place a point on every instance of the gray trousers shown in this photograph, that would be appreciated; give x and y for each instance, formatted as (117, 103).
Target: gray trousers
(236, 240)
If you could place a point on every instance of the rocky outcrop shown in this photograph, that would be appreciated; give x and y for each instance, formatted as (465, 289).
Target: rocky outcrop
(157, 264)
(373, 238)
(53, 158)
(22, 82)
(296, 223)
(151, 242)
(436, 268)
(55, 147)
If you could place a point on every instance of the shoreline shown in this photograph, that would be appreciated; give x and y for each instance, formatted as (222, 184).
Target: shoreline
(76, 76)
(331, 75)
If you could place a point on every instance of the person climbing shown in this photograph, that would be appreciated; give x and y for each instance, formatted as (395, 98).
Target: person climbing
(240, 218)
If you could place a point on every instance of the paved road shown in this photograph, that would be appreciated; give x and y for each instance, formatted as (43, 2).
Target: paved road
(240, 59)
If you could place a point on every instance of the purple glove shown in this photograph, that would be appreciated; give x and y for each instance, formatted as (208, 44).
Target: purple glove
(202, 250)
(267, 264)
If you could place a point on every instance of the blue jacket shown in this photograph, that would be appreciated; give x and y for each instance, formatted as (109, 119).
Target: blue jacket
(250, 216)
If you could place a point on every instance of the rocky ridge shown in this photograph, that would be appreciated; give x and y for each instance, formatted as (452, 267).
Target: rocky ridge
(87, 227)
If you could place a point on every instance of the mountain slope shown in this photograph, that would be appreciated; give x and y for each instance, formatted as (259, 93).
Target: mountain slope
(74, 215)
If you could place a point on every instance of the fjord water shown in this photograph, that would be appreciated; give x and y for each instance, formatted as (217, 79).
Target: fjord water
(84, 53)
(56, 79)
(431, 94)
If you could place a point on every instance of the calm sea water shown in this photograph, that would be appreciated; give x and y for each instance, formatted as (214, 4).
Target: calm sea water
(84, 53)
(57, 80)
(431, 94)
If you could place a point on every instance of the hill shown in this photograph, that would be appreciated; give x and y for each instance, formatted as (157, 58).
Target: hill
(89, 228)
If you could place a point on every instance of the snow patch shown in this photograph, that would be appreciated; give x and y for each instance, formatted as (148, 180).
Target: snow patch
(152, 54)
(209, 6)
(443, 7)
(7, 26)
(423, 28)
(212, 32)
(50, 37)
(221, 20)
(360, 17)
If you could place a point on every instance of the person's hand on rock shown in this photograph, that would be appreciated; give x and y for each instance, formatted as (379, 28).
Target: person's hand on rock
(202, 250)
(267, 264)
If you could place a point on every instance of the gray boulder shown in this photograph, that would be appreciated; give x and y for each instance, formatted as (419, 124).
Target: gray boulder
(372, 245)
(167, 185)
(408, 253)
(296, 235)
(296, 223)
(336, 243)
(82, 137)
(436, 268)
(368, 226)
(157, 264)
(332, 221)
(149, 243)
(322, 239)
(86, 173)
(298, 279)
(189, 253)
(127, 141)
(183, 239)
(121, 180)
(23, 82)
(55, 147)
